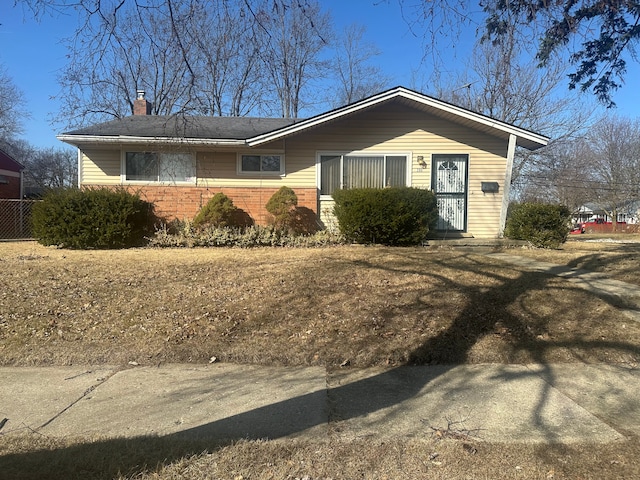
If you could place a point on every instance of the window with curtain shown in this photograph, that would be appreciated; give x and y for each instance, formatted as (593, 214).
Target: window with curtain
(160, 167)
(361, 171)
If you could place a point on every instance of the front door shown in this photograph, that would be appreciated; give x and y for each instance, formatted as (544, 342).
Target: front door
(449, 182)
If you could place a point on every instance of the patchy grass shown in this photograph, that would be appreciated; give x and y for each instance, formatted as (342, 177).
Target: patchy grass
(368, 305)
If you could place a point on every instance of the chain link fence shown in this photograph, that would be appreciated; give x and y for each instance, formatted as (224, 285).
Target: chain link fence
(15, 219)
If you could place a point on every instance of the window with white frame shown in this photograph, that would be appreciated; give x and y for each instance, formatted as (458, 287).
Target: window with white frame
(362, 171)
(160, 167)
(267, 164)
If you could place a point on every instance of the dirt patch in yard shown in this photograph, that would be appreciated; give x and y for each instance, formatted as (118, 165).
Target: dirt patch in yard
(360, 306)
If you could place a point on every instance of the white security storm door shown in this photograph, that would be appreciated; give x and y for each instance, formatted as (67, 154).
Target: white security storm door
(449, 177)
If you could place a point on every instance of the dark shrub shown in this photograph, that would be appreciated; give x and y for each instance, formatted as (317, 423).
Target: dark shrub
(221, 212)
(304, 221)
(92, 218)
(389, 216)
(282, 206)
(544, 225)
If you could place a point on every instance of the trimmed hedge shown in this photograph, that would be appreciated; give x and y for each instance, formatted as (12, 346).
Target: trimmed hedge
(92, 218)
(388, 216)
(543, 225)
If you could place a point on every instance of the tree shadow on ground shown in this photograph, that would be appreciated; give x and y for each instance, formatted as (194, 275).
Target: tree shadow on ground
(486, 309)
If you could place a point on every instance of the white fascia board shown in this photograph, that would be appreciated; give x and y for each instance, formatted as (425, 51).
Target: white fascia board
(476, 117)
(132, 140)
(541, 140)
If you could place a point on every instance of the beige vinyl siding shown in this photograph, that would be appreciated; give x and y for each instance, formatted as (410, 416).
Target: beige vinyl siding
(220, 169)
(213, 169)
(390, 129)
(100, 167)
(483, 209)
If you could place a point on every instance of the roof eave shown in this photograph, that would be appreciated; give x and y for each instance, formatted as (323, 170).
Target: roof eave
(135, 140)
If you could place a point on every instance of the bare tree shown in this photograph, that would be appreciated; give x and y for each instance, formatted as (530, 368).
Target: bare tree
(596, 37)
(497, 83)
(564, 178)
(12, 106)
(293, 36)
(212, 57)
(52, 168)
(113, 56)
(613, 158)
(227, 61)
(356, 78)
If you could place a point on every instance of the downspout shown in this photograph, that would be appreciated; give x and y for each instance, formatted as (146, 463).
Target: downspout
(79, 168)
(506, 190)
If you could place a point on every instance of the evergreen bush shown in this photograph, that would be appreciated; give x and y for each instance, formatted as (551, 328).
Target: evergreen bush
(388, 216)
(92, 218)
(282, 207)
(543, 225)
(220, 212)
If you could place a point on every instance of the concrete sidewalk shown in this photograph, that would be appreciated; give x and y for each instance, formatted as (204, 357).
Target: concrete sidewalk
(499, 403)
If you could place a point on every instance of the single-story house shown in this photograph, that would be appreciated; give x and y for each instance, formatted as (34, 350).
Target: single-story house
(396, 137)
(628, 212)
(11, 177)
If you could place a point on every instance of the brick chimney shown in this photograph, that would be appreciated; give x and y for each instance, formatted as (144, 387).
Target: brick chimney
(141, 106)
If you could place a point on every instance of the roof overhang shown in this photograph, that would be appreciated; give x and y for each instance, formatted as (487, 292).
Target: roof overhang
(78, 140)
(525, 138)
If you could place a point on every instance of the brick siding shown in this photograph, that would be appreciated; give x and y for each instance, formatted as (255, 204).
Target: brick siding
(10, 189)
(184, 202)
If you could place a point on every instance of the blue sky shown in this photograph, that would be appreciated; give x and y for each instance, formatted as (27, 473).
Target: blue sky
(33, 54)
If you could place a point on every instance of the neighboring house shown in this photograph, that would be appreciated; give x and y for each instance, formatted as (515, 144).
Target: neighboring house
(11, 177)
(627, 212)
(397, 137)
(631, 211)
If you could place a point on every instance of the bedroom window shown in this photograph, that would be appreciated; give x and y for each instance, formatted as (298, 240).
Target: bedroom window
(362, 171)
(261, 164)
(160, 167)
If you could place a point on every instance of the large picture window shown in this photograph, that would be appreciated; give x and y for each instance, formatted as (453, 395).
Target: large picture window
(261, 164)
(159, 167)
(362, 171)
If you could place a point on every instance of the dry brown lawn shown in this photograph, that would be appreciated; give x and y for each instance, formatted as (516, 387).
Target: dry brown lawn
(367, 305)
(428, 458)
(618, 256)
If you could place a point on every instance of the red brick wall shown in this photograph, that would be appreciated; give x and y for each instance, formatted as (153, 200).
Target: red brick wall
(185, 202)
(11, 189)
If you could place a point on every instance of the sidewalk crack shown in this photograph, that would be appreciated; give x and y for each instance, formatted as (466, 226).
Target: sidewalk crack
(100, 381)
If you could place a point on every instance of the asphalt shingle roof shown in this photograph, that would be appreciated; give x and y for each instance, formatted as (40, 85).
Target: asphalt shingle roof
(175, 126)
